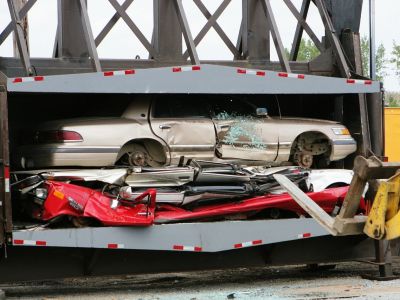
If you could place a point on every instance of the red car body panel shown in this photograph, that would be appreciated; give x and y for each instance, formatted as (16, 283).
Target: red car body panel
(73, 200)
(77, 201)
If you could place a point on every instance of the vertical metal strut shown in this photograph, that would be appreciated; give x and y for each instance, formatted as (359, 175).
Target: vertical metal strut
(191, 47)
(19, 35)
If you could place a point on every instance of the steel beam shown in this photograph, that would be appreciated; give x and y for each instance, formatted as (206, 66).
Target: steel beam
(133, 27)
(333, 39)
(276, 35)
(110, 24)
(71, 42)
(304, 25)
(212, 22)
(305, 6)
(19, 35)
(5, 203)
(22, 14)
(191, 47)
(255, 32)
(167, 34)
(87, 29)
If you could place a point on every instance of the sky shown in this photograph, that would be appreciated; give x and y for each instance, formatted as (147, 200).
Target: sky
(121, 42)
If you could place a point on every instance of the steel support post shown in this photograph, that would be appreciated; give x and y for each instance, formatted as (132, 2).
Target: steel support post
(87, 29)
(167, 35)
(255, 31)
(375, 112)
(19, 37)
(276, 37)
(333, 38)
(71, 42)
(5, 195)
(187, 34)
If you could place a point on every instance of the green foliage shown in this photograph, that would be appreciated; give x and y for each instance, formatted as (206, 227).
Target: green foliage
(380, 58)
(392, 99)
(307, 50)
(395, 59)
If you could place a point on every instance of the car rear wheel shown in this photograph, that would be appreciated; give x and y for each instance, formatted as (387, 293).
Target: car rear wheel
(137, 155)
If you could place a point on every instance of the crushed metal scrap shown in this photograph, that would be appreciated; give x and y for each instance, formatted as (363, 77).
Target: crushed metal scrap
(139, 196)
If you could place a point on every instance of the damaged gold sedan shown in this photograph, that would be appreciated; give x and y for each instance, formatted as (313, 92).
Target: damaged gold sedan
(156, 132)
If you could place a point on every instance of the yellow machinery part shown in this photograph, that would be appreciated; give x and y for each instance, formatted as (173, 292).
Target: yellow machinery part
(384, 218)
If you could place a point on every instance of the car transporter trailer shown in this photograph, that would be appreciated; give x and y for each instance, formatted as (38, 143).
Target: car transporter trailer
(76, 71)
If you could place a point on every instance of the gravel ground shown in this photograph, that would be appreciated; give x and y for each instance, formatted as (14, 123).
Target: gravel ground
(295, 282)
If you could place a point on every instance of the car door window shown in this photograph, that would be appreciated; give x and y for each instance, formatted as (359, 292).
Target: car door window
(232, 108)
(180, 108)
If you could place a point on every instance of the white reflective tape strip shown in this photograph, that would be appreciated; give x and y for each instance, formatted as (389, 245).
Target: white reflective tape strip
(29, 243)
(304, 235)
(116, 246)
(248, 244)
(187, 248)
(7, 185)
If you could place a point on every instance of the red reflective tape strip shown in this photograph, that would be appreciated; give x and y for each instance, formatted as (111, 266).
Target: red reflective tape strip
(258, 242)
(306, 235)
(112, 246)
(18, 242)
(178, 247)
(129, 72)
(351, 81)
(301, 76)
(7, 172)
(241, 71)
(236, 246)
(17, 80)
(283, 74)
(260, 73)
(38, 78)
(41, 243)
(109, 73)
(196, 68)
(368, 82)
(176, 70)
(198, 249)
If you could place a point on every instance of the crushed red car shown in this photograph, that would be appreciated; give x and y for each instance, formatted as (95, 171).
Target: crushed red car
(64, 199)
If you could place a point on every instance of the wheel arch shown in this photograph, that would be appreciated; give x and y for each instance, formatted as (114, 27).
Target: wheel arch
(156, 149)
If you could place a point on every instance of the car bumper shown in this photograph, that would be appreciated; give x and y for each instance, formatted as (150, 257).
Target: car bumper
(342, 148)
(60, 156)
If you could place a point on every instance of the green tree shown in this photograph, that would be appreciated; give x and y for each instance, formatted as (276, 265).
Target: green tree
(395, 59)
(307, 50)
(380, 58)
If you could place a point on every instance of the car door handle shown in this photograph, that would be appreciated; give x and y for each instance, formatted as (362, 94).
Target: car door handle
(224, 126)
(163, 126)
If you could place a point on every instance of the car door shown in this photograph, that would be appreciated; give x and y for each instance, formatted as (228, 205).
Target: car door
(186, 127)
(241, 133)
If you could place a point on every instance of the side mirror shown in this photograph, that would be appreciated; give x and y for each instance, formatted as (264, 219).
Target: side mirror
(261, 111)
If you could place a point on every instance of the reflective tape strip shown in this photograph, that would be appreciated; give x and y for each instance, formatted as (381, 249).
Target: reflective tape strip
(357, 81)
(304, 235)
(251, 72)
(7, 179)
(115, 246)
(248, 244)
(187, 248)
(291, 75)
(29, 243)
(186, 69)
(27, 79)
(119, 73)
